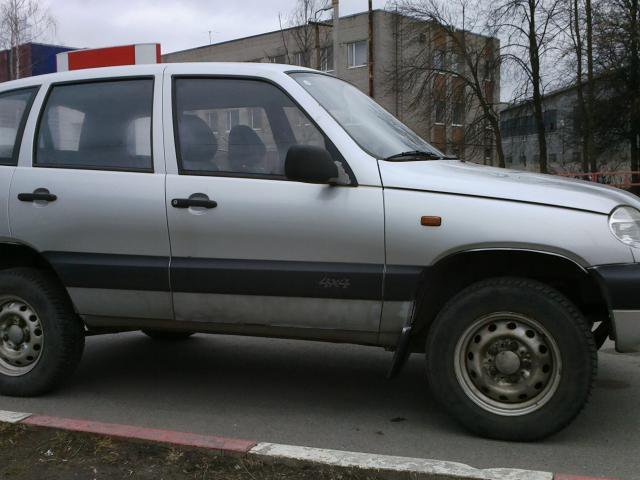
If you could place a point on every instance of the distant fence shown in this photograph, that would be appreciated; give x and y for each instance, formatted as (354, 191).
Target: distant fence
(619, 179)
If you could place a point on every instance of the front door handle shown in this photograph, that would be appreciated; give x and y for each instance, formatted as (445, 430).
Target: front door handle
(193, 202)
(39, 195)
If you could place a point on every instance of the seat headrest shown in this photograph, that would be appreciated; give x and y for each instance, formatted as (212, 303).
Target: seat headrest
(198, 144)
(246, 149)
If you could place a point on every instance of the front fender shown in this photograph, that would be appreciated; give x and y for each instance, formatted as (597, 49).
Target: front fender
(470, 223)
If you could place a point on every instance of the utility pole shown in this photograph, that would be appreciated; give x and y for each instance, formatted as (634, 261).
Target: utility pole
(316, 24)
(370, 45)
(337, 64)
(316, 29)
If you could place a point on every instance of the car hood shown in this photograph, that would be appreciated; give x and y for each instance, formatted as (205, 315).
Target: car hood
(458, 177)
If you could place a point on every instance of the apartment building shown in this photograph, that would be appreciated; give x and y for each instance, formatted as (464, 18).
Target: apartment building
(562, 124)
(441, 117)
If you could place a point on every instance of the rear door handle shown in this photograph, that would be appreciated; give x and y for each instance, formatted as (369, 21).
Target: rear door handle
(37, 196)
(193, 202)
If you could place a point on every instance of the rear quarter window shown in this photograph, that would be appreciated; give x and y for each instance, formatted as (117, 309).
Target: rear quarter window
(14, 109)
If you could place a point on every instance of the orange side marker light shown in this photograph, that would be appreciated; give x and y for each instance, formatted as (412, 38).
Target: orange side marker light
(430, 221)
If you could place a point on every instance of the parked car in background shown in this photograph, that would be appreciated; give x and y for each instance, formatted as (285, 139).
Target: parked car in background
(278, 201)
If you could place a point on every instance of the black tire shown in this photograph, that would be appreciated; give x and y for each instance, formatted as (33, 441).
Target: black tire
(62, 331)
(167, 335)
(530, 299)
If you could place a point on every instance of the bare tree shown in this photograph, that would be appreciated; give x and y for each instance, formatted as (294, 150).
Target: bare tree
(578, 22)
(589, 144)
(304, 32)
(617, 58)
(530, 29)
(23, 21)
(459, 66)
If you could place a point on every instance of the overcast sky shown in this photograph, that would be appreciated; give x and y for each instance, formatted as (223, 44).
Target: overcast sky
(176, 24)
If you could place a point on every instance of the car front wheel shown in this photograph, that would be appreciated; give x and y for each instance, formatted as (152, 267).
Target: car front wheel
(511, 359)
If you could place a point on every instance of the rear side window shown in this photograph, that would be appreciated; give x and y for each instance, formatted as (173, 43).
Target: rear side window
(97, 125)
(14, 109)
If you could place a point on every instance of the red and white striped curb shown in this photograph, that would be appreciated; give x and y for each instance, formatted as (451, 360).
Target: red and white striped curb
(417, 468)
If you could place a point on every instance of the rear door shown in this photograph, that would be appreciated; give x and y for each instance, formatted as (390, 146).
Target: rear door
(89, 193)
(266, 251)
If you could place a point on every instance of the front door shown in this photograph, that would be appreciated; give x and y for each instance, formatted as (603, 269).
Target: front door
(92, 198)
(249, 247)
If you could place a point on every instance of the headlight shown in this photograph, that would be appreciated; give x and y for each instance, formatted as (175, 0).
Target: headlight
(624, 222)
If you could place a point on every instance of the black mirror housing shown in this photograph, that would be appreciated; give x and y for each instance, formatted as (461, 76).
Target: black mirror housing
(310, 164)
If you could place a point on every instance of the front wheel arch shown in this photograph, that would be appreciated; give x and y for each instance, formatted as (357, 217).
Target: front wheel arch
(452, 274)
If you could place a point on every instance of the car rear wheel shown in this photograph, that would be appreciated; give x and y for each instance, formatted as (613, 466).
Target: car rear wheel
(41, 337)
(167, 335)
(511, 359)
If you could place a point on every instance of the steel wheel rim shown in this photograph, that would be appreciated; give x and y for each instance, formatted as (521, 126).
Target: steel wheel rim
(21, 336)
(508, 364)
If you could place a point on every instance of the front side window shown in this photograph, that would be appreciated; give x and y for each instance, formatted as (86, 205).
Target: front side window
(357, 54)
(262, 122)
(97, 125)
(14, 108)
(374, 129)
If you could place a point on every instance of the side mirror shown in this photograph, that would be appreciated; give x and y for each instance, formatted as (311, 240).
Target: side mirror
(306, 163)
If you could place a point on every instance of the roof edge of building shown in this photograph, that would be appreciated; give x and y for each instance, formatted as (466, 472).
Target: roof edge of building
(201, 47)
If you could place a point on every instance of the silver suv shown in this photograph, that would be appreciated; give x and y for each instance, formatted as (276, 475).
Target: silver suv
(254, 199)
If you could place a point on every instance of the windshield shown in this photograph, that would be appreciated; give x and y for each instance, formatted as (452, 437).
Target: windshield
(373, 128)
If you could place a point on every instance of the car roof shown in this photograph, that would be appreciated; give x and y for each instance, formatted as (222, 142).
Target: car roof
(196, 68)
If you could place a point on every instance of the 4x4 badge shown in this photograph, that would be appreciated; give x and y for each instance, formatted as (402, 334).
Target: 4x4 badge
(327, 282)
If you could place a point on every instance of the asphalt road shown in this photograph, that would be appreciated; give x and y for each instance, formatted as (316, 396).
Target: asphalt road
(329, 396)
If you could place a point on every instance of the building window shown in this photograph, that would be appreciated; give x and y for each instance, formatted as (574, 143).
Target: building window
(357, 54)
(299, 58)
(440, 110)
(256, 118)
(212, 121)
(439, 59)
(459, 62)
(278, 59)
(458, 111)
(550, 120)
(326, 59)
(233, 119)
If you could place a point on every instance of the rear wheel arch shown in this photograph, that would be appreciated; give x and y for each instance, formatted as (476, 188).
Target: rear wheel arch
(15, 254)
(452, 274)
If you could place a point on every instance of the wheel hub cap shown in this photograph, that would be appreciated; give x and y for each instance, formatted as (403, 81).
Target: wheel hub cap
(507, 363)
(15, 334)
(21, 337)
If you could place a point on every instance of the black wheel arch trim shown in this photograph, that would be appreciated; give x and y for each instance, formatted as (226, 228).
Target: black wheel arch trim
(620, 284)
